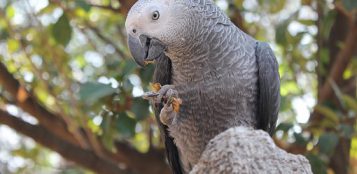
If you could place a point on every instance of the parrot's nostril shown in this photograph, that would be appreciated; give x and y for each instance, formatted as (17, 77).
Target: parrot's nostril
(134, 30)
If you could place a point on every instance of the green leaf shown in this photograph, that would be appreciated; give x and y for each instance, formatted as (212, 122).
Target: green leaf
(238, 3)
(348, 131)
(107, 128)
(300, 140)
(62, 31)
(48, 9)
(12, 45)
(284, 126)
(281, 32)
(327, 22)
(129, 67)
(3, 34)
(318, 166)
(350, 4)
(273, 6)
(127, 85)
(307, 22)
(93, 91)
(350, 102)
(125, 125)
(278, 5)
(347, 74)
(83, 4)
(10, 12)
(327, 112)
(306, 2)
(140, 108)
(327, 143)
(285, 103)
(146, 73)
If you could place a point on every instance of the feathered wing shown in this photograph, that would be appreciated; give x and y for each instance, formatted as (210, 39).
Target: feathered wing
(162, 75)
(269, 88)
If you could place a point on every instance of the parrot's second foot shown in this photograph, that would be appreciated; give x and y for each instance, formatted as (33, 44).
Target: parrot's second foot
(167, 114)
(171, 105)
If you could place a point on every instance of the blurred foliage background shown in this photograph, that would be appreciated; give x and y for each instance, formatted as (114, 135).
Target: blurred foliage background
(70, 92)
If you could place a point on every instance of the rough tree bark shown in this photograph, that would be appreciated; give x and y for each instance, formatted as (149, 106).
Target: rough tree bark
(244, 150)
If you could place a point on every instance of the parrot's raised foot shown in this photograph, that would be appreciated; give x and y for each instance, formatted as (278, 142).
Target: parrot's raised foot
(171, 104)
(167, 114)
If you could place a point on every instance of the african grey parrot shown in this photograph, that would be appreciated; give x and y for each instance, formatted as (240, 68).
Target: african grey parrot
(224, 77)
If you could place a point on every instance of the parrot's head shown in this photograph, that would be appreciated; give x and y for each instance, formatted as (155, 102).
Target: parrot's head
(153, 26)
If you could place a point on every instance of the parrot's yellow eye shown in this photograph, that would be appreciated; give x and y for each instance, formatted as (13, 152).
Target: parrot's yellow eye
(155, 15)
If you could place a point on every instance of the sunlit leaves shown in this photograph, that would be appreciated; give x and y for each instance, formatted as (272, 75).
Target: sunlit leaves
(12, 45)
(10, 12)
(62, 31)
(353, 149)
(278, 5)
(307, 22)
(47, 10)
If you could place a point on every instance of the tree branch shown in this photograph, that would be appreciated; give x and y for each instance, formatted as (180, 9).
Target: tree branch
(152, 162)
(106, 40)
(26, 102)
(342, 60)
(40, 134)
(125, 6)
(236, 17)
(106, 7)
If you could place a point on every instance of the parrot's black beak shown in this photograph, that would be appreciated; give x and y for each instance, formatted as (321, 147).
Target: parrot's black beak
(145, 49)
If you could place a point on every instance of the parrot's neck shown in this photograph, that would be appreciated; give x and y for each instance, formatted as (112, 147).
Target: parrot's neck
(213, 56)
(210, 48)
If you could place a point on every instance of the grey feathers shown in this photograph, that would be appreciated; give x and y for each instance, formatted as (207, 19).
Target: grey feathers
(162, 75)
(269, 88)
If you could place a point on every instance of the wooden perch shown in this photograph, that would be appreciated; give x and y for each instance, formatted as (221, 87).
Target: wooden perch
(244, 150)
